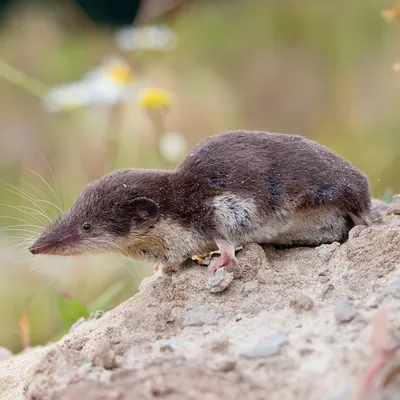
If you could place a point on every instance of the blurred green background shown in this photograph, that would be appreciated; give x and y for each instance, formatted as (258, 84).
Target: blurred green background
(318, 68)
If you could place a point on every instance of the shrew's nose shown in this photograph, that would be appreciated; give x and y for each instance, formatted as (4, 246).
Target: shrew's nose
(34, 249)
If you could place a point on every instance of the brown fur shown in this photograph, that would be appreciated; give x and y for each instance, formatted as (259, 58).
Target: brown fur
(236, 186)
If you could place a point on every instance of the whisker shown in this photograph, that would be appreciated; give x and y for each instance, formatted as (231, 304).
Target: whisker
(24, 226)
(18, 190)
(135, 277)
(37, 190)
(35, 268)
(48, 284)
(24, 210)
(61, 202)
(18, 230)
(21, 239)
(43, 197)
(58, 209)
(21, 193)
(27, 208)
(18, 219)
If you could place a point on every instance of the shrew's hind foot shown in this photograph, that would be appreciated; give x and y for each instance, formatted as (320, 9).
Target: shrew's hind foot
(227, 257)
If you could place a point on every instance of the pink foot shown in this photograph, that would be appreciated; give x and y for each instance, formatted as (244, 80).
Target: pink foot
(220, 262)
(227, 256)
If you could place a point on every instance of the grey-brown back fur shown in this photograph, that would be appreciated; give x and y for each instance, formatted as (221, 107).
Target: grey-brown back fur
(279, 170)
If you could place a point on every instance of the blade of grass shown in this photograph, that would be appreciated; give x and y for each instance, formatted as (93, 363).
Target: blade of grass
(104, 300)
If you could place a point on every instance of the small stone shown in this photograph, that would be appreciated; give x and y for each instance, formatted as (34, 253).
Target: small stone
(301, 302)
(392, 290)
(5, 354)
(266, 348)
(394, 209)
(325, 251)
(384, 270)
(305, 351)
(80, 321)
(355, 232)
(105, 355)
(223, 365)
(173, 344)
(341, 394)
(344, 311)
(219, 281)
(250, 287)
(96, 314)
(217, 345)
(200, 316)
(166, 348)
(326, 289)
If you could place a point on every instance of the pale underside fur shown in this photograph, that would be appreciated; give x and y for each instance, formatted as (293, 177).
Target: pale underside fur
(167, 242)
(239, 222)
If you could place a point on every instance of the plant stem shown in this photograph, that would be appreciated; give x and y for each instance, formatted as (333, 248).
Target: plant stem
(18, 78)
(157, 119)
(114, 128)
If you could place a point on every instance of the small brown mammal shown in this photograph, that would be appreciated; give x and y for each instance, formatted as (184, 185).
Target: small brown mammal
(231, 189)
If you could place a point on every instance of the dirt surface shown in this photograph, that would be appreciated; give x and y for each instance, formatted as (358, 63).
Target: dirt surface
(292, 324)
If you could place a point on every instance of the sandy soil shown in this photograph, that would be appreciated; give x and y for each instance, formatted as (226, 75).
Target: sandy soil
(292, 324)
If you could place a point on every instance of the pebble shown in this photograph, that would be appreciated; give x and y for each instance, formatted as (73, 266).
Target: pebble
(355, 232)
(105, 355)
(219, 281)
(266, 348)
(325, 251)
(301, 302)
(223, 365)
(250, 287)
(344, 311)
(5, 354)
(200, 316)
(341, 394)
(326, 290)
(80, 321)
(173, 343)
(96, 314)
(392, 290)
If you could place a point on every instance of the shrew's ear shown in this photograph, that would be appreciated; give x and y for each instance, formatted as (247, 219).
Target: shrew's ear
(144, 212)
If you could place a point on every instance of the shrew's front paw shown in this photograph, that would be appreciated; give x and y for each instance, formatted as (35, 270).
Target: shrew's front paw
(164, 268)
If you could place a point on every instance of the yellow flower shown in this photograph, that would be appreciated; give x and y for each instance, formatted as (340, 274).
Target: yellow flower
(119, 72)
(391, 14)
(154, 99)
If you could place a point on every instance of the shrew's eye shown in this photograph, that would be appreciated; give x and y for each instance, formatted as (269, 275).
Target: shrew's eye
(87, 227)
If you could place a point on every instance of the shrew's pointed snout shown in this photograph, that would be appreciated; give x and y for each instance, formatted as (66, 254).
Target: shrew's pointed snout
(55, 241)
(42, 246)
(34, 249)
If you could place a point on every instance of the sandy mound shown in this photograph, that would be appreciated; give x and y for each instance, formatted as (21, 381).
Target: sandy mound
(293, 324)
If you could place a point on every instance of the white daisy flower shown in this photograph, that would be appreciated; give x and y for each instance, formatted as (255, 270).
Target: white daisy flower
(173, 146)
(109, 84)
(150, 37)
